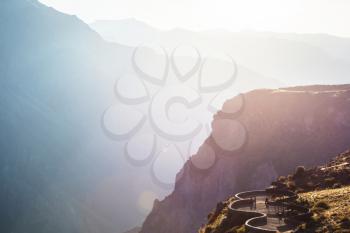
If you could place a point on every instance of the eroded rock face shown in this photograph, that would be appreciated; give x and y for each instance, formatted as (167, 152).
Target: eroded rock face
(285, 128)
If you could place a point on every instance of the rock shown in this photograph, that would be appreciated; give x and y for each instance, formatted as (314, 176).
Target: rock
(277, 140)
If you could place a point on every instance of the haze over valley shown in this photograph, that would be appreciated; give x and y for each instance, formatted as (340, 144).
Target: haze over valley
(111, 125)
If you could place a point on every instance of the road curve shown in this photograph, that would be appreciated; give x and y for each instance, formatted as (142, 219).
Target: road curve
(262, 218)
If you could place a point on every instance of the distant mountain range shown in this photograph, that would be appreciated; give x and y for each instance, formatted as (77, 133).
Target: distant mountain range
(293, 59)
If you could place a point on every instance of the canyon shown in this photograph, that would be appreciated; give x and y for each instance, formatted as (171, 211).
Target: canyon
(284, 128)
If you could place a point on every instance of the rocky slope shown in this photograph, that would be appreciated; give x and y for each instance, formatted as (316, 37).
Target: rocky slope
(323, 189)
(284, 128)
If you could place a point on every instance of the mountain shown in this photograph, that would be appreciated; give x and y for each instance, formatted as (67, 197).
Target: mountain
(58, 168)
(59, 173)
(324, 189)
(129, 32)
(293, 59)
(282, 128)
(124, 31)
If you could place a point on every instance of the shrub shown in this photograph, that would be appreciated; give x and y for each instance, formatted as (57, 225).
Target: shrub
(310, 185)
(300, 190)
(322, 205)
(303, 202)
(330, 180)
(301, 228)
(241, 229)
(314, 221)
(315, 218)
(345, 223)
(291, 185)
(300, 171)
(208, 230)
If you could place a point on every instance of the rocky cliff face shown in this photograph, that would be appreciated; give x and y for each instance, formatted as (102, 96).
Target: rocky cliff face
(280, 129)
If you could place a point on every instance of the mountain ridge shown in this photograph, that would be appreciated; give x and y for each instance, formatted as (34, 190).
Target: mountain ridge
(294, 59)
(304, 127)
(55, 158)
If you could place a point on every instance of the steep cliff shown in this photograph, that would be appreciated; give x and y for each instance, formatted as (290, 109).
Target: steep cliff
(282, 129)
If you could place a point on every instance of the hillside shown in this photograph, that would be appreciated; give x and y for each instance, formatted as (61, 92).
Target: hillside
(325, 189)
(333, 216)
(301, 125)
(334, 174)
(328, 201)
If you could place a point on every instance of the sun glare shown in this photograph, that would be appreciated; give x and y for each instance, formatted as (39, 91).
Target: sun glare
(315, 16)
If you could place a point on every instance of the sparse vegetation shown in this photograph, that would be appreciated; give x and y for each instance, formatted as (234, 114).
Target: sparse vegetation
(335, 174)
(241, 229)
(220, 221)
(299, 171)
(345, 223)
(325, 190)
(331, 210)
(282, 179)
(291, 185)
(322, 205)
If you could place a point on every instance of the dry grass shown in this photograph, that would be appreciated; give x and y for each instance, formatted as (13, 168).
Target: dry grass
(220, 221)
(330, 219)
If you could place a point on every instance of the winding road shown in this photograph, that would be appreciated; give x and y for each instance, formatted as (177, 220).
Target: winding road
(262, 218)
(273, 222)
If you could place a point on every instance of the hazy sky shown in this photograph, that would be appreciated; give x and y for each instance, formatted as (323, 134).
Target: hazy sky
(325, 16)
